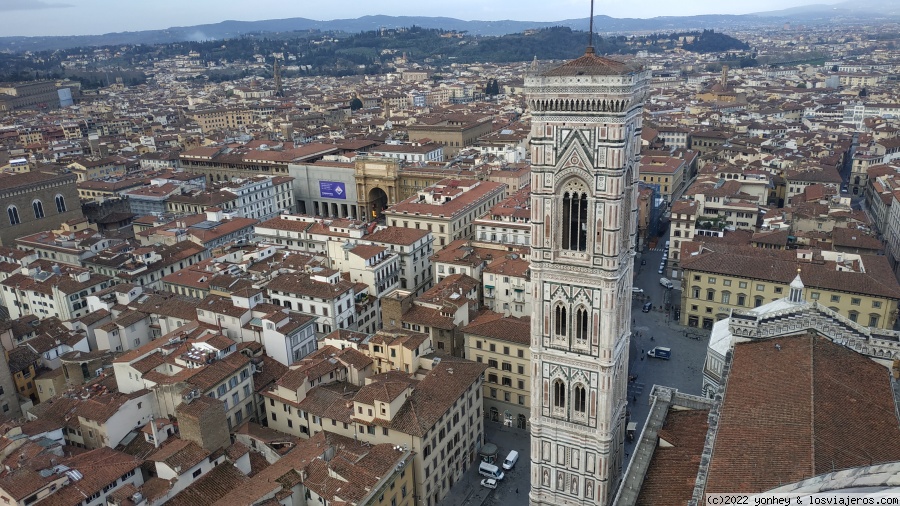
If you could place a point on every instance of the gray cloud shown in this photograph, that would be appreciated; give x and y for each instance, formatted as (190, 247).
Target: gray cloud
(29, 5)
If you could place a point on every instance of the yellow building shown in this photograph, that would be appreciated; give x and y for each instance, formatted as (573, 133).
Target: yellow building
(502, 342)
(23, 363)
(214, 120)
(453, 131)
(88, 170)
(447, 209)
(665, 171)
(719, 278)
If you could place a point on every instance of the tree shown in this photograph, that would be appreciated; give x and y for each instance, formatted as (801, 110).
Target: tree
(492, 87)
(356, 104)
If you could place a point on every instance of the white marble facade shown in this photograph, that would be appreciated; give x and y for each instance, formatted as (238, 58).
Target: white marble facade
(585, 145)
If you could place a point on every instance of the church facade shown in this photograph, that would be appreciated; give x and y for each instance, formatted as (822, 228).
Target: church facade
(585, 151)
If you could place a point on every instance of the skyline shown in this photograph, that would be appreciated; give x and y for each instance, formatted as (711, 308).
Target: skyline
(95, 17)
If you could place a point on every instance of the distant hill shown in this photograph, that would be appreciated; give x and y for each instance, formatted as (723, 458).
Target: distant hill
(861, 10)
(852, 8)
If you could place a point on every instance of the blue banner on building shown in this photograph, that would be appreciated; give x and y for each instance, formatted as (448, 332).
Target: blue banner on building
(332, 190)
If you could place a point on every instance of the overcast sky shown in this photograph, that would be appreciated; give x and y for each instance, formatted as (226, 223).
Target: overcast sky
(88, 17)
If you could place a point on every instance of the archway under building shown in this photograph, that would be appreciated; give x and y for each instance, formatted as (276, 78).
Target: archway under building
(377, 203)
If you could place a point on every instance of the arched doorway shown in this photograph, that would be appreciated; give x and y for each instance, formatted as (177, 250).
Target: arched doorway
(522, 423)
(378, 201)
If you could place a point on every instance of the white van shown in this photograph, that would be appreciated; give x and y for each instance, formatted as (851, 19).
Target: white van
(666, 283)
(511, 460)
(490, 471)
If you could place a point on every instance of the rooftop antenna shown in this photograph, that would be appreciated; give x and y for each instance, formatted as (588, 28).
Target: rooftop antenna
(590, 47)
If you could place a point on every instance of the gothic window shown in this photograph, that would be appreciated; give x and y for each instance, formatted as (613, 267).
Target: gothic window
(627, 218)
(60, 204)
(38, 209)
(574, 217)
(560, 325)
(559, 394)
(581, 324)
(13, 213)
(579, 399)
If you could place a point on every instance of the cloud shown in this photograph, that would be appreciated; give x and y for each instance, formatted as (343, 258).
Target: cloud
(29, 5)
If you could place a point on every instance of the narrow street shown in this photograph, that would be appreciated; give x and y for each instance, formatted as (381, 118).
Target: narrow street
(684, 370)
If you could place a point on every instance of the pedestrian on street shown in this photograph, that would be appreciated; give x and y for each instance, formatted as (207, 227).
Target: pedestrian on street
(517, 490)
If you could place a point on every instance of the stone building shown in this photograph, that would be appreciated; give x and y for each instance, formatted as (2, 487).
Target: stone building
(36, 201)
(448, 209)
(502, 343)
(585, 152)
(454, 131)
(202, 420)
(9, 401)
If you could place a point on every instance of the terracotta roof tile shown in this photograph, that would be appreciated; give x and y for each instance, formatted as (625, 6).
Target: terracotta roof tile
(673, 469)
(221, 480)
(795, 412)
(497, 326)
(591, 65)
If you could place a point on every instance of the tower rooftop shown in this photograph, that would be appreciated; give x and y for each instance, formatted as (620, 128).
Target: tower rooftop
(592, 65)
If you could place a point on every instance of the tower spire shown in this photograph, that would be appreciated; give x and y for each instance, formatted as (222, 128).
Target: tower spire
(279, 92)
(590, 46)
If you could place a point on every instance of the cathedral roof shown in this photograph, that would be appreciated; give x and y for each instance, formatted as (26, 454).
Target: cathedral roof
(591, 65)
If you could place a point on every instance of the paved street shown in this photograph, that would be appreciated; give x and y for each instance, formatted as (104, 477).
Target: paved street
(684, 370)
(468, 490)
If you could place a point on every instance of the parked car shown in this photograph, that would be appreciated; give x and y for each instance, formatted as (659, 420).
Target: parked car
(490, 471)
(647, 307)
(666, 283)
(660, 352)
(489, 483)
(635, 289)
(511, 460)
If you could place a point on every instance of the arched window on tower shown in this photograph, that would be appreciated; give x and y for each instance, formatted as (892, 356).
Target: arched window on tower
(579, 399)
(38, 207)
(560, 324)
(13, 213)
(574, 219)
(581, 325)
(628, 221)
(60, 204)
(559, 394)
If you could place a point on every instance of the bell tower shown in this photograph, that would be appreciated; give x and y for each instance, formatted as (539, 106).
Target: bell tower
(585, 154)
